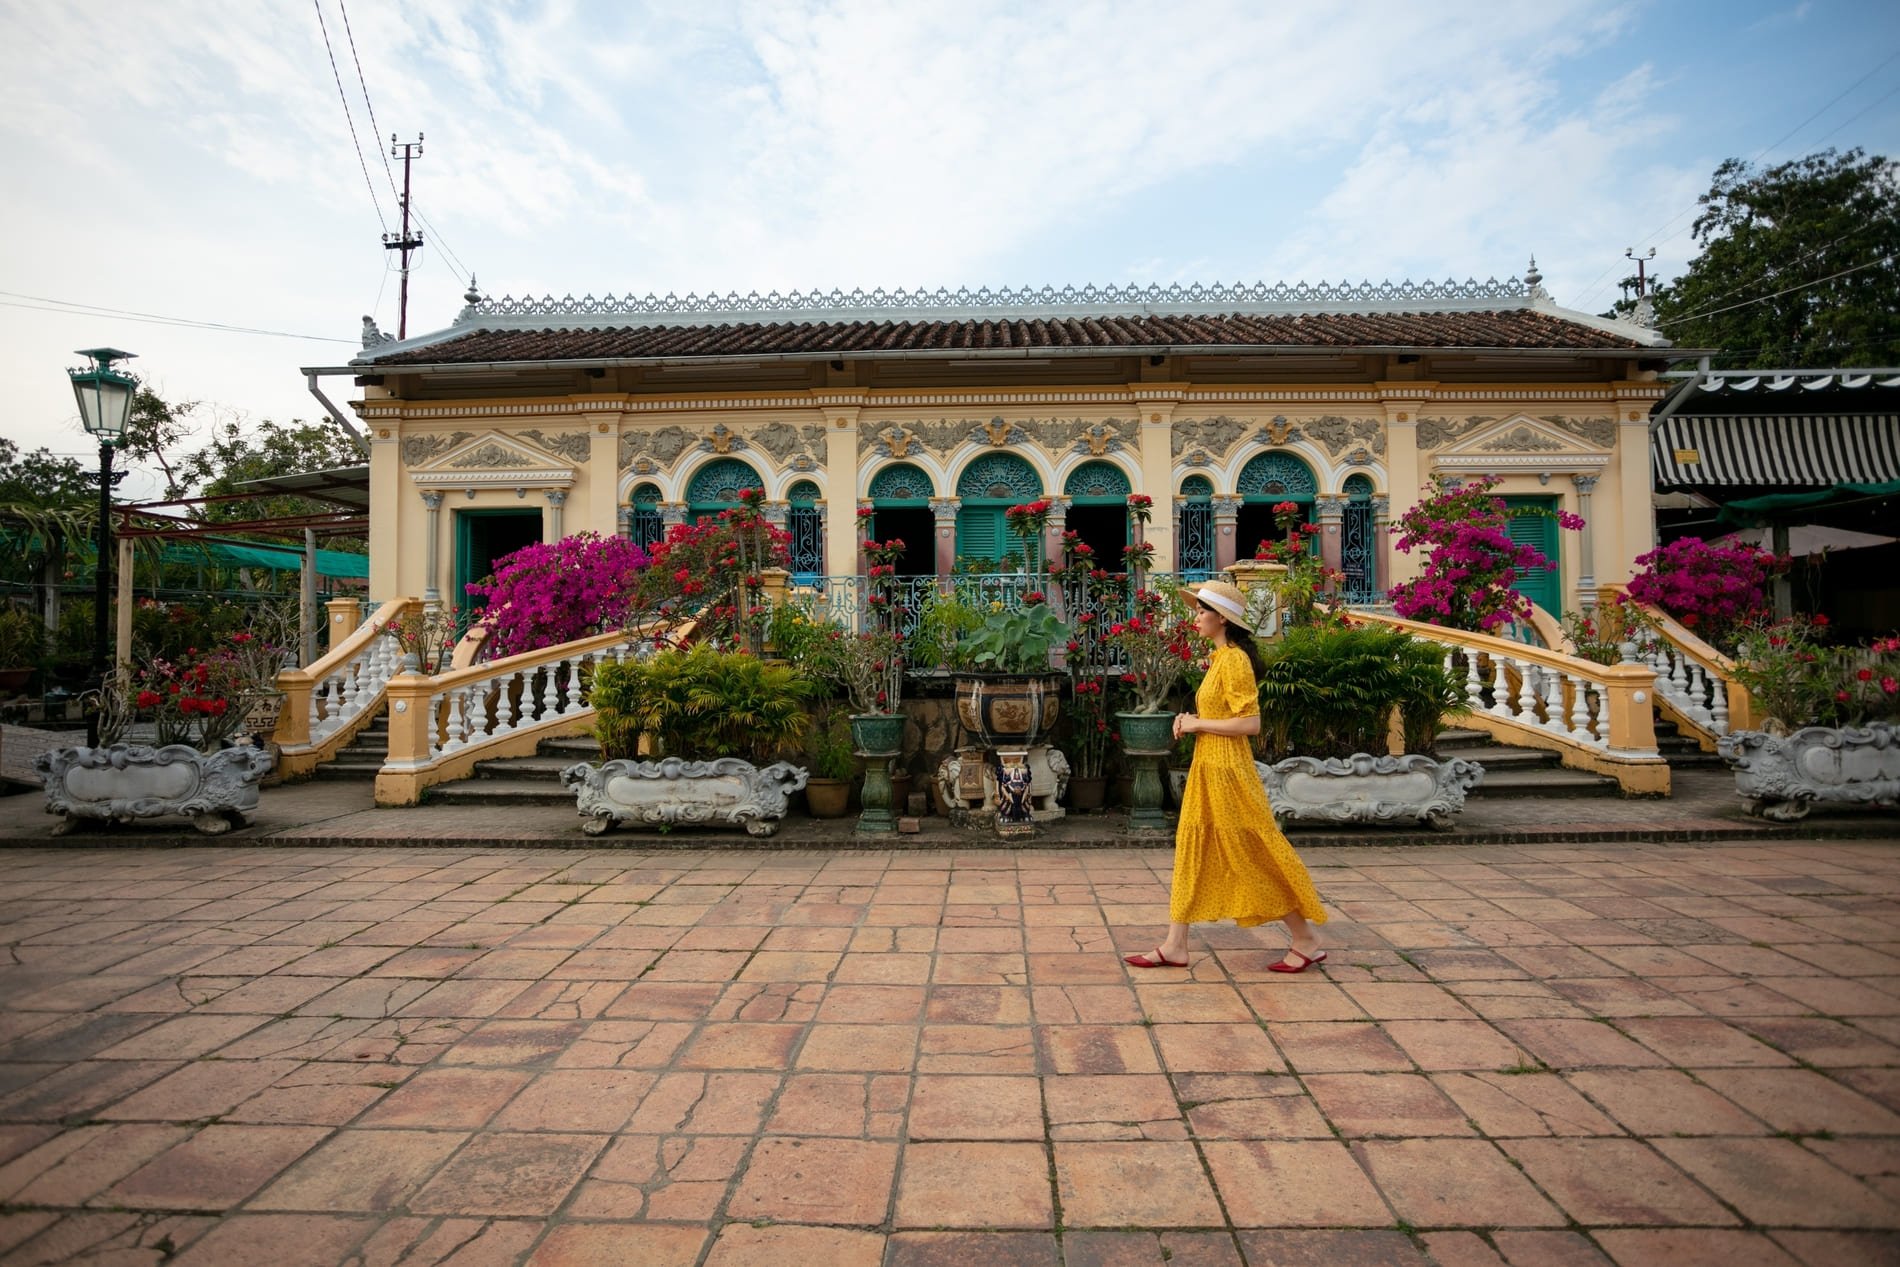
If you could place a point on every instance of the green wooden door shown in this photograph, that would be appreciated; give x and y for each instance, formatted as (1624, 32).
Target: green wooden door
(1543, 586)
(980, 533)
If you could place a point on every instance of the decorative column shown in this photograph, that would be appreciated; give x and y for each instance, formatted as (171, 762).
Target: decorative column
(672, 514)
(1053, 530)
(432, 574)
(1406, 468)
(944, 511)
(557, 501)
(1586, 545)
(1226, 519)
(778, 514)
(860, 534)
(623, 519)
(1330, 513)
(1381, 533)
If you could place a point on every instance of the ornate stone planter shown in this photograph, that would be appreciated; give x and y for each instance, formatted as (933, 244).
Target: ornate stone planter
(1007, 710)
(673, 790)
(1366, 789)
(122, 782)
(1146, 741)
(1782, 777)
(877, 737)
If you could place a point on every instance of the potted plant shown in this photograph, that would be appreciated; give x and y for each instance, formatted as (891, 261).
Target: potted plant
(1329, 694)
(1831, 713)
(1471, 561)
(193, 707)
(833, 765)
(711, 720)
(1090, 594)
(1008, 697)
(1155, 647)
(22, 647)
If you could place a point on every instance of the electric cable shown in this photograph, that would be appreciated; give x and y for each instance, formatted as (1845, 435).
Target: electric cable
(348, 117)
(73, 309)
(375, 128)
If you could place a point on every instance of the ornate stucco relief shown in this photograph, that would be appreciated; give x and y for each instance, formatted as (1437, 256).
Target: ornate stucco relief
(1215, 435)
(1521, 440)
(419, 449)
(663, 444)
(484, 456)
(784, 441)
(1436, 433)
(1338, 433)
(572, 445)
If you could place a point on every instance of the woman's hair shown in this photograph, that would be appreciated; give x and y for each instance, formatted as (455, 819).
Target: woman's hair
(1241, 637)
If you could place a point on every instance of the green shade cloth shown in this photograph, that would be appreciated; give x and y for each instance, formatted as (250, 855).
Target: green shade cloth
(279, 559)
(1768, 505)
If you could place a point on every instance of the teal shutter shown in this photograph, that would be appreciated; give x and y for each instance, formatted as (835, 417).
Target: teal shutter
(1544, 586)
(980, 532)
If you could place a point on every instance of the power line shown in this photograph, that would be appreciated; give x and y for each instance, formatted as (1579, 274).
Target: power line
(375, 128)
(1760, 299)
(41, 303)
(347, 116)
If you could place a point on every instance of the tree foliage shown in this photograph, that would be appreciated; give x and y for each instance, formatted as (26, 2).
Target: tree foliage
(238, 452)
(1797, 265)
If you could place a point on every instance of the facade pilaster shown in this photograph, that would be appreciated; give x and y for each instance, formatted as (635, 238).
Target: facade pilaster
(943, 511)
(1586, 544)
(1329, 512)
(432, 554)
(1407, 469)
(842, 538)
(1158, 403)
(1226, 519)
(557, 508)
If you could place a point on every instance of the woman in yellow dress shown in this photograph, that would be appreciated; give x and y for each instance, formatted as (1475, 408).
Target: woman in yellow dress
(1231, 860)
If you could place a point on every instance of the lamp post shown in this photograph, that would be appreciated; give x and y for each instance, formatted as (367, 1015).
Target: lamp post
(105, 405)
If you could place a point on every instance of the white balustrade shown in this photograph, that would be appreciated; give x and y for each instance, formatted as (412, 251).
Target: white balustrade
(1684, 683)
(1565, 702)
(353, 686)
(516, 698)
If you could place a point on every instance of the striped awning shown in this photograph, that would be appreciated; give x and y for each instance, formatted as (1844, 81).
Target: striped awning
(1787, 450)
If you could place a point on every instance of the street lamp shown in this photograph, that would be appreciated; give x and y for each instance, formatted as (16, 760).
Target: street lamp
(105, 405)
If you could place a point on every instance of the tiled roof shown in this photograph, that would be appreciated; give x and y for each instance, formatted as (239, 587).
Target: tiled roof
(1509, 328)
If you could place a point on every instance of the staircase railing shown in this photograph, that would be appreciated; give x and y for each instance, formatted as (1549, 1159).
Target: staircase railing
(440, 726)
(328, 702)
(1695, 683)
(1596, 717)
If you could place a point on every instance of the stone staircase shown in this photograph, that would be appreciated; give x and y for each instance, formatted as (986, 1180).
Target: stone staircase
(532, 780)
(362, 758)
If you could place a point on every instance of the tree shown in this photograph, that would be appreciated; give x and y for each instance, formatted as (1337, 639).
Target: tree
(1797, 265)
(44, 479)
(236, 454)
(154, 430)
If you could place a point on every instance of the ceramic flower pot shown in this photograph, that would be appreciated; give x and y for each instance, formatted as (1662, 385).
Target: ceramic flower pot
(828, 798)
(1008, 710)
(877, 734)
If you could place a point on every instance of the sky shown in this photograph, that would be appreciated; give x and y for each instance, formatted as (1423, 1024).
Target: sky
(193, 161)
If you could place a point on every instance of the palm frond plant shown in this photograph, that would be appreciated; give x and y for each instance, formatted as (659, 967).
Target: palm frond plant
(1332, 691)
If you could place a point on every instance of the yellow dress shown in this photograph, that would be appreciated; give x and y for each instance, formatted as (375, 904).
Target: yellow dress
(1231, 861)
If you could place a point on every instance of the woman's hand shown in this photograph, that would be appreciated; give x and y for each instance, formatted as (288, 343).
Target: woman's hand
(1182, 724)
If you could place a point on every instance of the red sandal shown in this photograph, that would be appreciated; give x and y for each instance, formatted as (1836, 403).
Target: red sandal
(1156, 960)
(1305, 962)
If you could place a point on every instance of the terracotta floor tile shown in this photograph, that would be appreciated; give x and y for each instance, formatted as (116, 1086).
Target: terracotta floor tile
(1662, 1102)
(1293, 1184)
(1550, 1249)
(1454, 1183)
(591, 1101)
(1084, 1004)
(797, 1180)
(705, 1104)
(977, 1049)
(1703, 1043)
(1099, 968)
(975, 1004)
(872, 1004)
(963, 1184)
(215, 1169)
(1125, 1106)
(361, 1170)
(509, 1174)
(1240, 1106)
(1665, 1247)
(741, 1045)
(1145, 1248)
(666, 1000)
(184, 1038)
(859, 1106)
(1623, 996)
(1825, 1249)
(1388, 1104)
(1389, 1001)
(448, 1099)
(625, 1044)
(1448, 1045)
(1185, 1002)
(1615, 1182)
(612, 1244)
(961, 1249)
(1338, 1047)
(1525, 1104)
(72, 1167)
(1777, 1183)
(1216, 1048)
(944, 1107)
(514, 1043)
(1143, 1184)
(859, 1048)
(321, 1093)
(79, 1089)
(1565, 1044)
(1096, 1049)
(1802, 1100)
(1827, 1043)
(742, 1245)
(1301, 1000)
(283, 1240)
(886, 969)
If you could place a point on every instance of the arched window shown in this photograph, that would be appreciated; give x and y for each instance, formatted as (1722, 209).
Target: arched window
(1195, 549)
(716, 486)
(643, 525)
(807, 527)
(1098, 509)
(900, 496)
(1358, 542)
(988, 487)
(1267, 480)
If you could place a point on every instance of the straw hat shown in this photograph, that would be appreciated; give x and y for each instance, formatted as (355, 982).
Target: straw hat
(1223, 598)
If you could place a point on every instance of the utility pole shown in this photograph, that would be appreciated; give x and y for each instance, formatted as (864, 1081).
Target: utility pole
(1644, 313)
(406, 241)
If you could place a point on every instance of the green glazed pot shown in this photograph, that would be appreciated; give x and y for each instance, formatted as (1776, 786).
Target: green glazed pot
(877, 734)
(1146, 734)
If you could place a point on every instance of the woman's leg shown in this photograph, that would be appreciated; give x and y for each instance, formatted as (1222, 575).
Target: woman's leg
(1175, 948)
(1305, 940)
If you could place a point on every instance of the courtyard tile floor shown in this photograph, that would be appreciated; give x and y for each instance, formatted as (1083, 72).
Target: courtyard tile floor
(1526, 1055)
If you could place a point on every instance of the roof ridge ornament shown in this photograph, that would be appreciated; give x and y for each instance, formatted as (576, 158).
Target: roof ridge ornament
(1007, 303)
(1534, 284)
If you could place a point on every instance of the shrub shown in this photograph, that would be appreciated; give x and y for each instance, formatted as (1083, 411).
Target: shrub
(700, 704)
(1713, 590)
(546, 594)
(1329, 691)
(1797, 680)
(1471, 563)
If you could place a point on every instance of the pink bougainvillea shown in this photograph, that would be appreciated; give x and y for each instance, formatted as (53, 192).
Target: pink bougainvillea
(1471, 563)
(1713, 590)
(554, 592)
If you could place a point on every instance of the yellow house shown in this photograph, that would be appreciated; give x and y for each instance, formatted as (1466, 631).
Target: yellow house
(526, 420)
